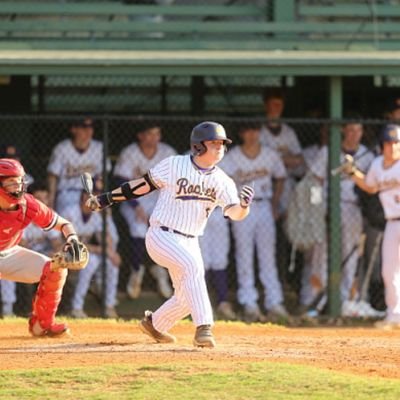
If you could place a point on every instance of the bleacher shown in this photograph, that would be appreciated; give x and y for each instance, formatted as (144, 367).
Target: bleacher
(245, 25)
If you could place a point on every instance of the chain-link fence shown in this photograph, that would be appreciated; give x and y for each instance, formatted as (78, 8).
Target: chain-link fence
(252, 266)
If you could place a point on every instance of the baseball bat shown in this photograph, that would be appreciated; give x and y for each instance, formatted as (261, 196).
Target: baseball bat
(339, 169)
(87, 183)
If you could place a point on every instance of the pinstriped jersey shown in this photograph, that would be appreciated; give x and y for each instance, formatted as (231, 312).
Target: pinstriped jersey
(188, 194)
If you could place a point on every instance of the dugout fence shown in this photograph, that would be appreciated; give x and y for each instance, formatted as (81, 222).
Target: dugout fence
(304, 292)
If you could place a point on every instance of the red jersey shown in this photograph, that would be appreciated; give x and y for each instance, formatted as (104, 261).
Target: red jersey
(13, 223)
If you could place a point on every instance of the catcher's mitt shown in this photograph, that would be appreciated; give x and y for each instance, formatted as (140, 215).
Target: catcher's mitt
(74, 255)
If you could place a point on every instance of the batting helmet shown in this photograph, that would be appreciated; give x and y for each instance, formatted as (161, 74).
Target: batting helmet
(204, 131)
(11, 168)
(390, 133)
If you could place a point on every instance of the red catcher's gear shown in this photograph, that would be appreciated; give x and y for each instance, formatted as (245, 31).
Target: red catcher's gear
(10, 168)
(45, 303)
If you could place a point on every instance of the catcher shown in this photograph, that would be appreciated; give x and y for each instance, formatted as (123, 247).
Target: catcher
(17, 210)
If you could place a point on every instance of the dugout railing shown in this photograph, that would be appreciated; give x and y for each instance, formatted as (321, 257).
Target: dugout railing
(35, 138)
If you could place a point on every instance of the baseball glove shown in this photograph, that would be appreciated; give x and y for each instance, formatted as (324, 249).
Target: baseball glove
(74, 255)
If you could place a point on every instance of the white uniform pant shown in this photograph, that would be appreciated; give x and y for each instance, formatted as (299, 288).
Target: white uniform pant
(8, 292)
(182, 257)
(391, 269)
(352, 225)
(215, 243)
(19, 264)
(258, 232)
(315, 273)
(85, 277)
(315, 270)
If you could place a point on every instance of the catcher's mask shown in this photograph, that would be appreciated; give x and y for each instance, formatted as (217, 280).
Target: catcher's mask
(204, 131)
(12, 168)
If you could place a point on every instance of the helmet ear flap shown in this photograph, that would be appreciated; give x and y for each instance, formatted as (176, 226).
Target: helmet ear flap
(198, 149)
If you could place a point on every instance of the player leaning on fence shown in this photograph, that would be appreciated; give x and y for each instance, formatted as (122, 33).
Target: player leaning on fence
(191, 187)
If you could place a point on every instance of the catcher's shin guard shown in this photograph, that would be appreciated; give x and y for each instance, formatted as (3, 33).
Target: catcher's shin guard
(45, 303)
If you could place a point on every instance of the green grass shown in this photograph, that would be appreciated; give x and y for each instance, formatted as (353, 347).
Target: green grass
(205, 380)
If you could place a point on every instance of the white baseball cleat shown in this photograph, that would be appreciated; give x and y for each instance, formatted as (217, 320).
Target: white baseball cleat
(204, 337)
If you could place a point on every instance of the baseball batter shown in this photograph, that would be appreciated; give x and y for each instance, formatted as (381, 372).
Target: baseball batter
(253, 164)
(384, 177)
(90, 226)
(17, 211)
(190, 187)
(135, 160)
(69, 160)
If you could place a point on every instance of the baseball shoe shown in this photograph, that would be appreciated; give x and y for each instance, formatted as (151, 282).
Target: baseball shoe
(134, 286)
(225, 311)
(204, 337)
(360, 309)
(111, 313)
(55, 330)
(279, 310)
(160, 274)
(146, 326)
(387, 325)
(252, 313)
(78, 313)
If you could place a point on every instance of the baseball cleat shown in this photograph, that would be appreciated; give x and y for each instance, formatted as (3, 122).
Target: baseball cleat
(204, 337)
(146, 326)
(55, 330)
(78, 313)
(225, 311)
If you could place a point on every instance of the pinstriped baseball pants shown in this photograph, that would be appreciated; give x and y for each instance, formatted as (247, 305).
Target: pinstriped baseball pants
(182, 258)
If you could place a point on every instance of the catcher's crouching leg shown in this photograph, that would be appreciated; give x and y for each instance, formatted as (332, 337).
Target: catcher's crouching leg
(45, 303)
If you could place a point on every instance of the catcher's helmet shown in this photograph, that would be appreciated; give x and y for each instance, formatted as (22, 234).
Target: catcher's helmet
(11, 168)
(207, 130)
(390, 133)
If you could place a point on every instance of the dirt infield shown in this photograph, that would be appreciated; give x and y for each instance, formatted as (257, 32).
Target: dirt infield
(362, 351)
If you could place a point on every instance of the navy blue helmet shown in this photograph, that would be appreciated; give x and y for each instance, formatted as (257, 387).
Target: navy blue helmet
(207, 130)
(390, 133)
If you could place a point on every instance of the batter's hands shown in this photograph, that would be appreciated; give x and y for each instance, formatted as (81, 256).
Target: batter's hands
(348, 167)
(98, 203)
(246, 196)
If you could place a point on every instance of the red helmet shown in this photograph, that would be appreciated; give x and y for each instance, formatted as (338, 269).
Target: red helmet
(10, 168)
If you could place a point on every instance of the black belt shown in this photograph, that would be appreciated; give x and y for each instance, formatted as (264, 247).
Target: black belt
(260, 198)
(166, 229)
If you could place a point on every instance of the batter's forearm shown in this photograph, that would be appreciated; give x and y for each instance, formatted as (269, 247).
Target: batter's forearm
(237, 212)
(127, 191)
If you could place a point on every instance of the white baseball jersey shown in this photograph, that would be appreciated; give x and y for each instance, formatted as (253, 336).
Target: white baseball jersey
(67, 163)
(388, 182)
(285, 141)
(132, 164)
(188, 195)
(362, 160)
(258, 171)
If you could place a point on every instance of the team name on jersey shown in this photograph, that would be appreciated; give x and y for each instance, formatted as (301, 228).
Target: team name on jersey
(72, 171)
(388, 184)
(188, 191)
(248, 176)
